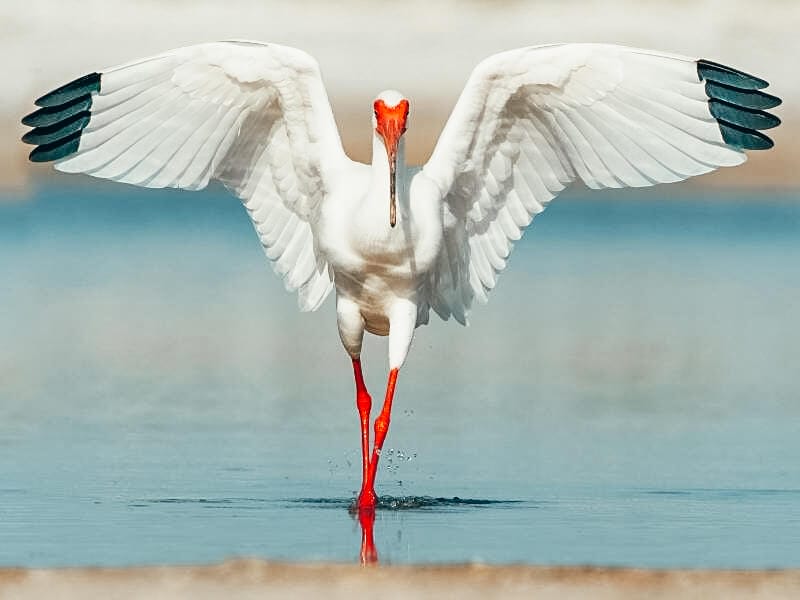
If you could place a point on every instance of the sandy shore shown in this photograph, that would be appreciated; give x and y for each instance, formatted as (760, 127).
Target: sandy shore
(245, 579)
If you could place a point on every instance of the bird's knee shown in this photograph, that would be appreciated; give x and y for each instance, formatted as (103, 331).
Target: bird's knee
(381, 426)
(363, 402)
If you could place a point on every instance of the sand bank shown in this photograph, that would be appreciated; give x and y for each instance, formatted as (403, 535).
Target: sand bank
(245, 579)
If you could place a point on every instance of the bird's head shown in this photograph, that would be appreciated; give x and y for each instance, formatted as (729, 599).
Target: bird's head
(390, 121)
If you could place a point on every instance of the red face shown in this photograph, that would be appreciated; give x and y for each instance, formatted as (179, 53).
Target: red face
(391, 123)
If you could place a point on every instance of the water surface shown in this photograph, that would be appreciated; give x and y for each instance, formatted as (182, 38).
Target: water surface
(628, 397)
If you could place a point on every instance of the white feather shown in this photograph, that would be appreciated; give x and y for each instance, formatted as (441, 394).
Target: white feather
(528, 123)
(207, 111)
(608, 115)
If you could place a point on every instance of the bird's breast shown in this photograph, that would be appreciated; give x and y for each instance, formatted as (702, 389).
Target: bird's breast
(363, 249)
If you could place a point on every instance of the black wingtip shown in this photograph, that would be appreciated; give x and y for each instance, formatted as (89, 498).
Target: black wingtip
(53, 114)
(59, 123)
(741, 115)
(60, 130)
(56, 150)
(747, 98)
(744, 138)
(728, 75)
(74, 89)
(738, 105)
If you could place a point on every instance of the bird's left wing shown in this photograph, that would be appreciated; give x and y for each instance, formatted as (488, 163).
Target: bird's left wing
(253, 116)
(532, 120)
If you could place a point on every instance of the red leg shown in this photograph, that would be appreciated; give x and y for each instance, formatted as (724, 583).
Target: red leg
(364, 405)
(367, 498)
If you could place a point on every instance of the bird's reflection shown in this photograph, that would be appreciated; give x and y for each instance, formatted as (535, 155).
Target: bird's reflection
(366, 518)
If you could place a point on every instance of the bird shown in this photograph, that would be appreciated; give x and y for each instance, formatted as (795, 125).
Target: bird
(397, 241)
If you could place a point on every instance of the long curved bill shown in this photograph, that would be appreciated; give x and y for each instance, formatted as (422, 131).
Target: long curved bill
(392, 154)
(391, 125)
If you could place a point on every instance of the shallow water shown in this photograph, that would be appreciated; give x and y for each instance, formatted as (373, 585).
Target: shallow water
(628, 397)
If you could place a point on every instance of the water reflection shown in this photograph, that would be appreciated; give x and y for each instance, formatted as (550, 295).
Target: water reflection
(369, 553)
(366, 516)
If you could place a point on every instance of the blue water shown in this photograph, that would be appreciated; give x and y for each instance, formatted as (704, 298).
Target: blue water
(630, 395)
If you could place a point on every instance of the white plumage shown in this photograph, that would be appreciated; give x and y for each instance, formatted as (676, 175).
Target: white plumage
(252, 116)
(531, 121)
(528, 123)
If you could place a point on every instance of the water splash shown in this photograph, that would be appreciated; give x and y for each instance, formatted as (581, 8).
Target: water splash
(394, 459)
(430, 502)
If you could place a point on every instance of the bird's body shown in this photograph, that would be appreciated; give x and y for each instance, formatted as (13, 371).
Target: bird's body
(397, 242)
(379, 271)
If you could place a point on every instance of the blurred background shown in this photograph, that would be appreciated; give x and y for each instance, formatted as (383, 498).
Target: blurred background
(425, 49)
(632, 382)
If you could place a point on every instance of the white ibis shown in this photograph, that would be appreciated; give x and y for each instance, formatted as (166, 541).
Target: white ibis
(396, 241)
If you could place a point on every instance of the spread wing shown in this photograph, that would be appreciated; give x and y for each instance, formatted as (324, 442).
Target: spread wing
(532, 120)
(253, 116)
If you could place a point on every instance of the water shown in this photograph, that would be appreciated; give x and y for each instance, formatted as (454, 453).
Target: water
(628, 397)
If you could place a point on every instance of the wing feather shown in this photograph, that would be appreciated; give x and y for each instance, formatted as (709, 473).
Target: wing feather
(531, 121)
(253, 116)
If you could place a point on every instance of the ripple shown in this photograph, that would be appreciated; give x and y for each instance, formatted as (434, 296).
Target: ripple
(207, 502)
(407, 502)
(323, 502)
(413, 502)
(721, 493)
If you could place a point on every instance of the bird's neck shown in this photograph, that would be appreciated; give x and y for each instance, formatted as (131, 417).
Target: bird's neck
(380, 169)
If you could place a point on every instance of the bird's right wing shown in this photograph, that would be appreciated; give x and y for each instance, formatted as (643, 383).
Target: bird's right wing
(532, 120)
(253, 116)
